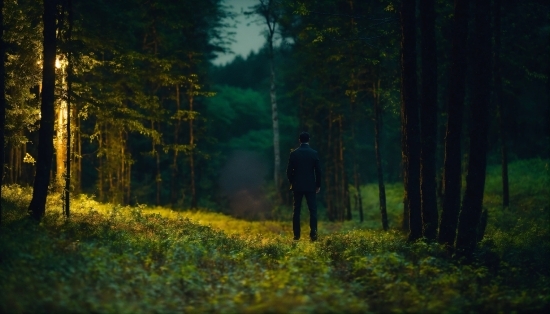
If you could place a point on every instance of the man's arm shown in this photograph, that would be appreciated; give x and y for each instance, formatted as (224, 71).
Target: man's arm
(290, 170)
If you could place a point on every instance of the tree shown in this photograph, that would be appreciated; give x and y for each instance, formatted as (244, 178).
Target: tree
(428, 119)
(472, 202)
(410, 120)
(452, 173)
(23, 74)
(267, 9)
(379, 170)
(498, 100)
(37, 206)
(69, 90)
(2, 101)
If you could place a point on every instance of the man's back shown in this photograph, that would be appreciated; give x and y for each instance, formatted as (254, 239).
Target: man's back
(304, 171)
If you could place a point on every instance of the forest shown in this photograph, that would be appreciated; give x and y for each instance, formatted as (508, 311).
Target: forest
(140, 176)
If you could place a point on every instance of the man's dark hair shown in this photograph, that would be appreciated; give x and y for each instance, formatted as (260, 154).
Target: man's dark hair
(304, 137)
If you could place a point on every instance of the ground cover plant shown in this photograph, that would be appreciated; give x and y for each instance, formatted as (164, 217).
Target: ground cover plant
(114, 259)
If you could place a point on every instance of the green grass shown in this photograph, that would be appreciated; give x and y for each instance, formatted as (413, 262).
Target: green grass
(114, 259)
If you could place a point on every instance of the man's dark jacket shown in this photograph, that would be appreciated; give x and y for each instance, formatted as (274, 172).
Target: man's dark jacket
(303, 171)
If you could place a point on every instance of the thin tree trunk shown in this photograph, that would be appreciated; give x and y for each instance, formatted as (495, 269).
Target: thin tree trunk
(78, 159)
(101, 163)
(173, 184)
(192, 152)
(69, 91)
(428, 120)
(10, 162)
(344, 178)
(358, 202)
(379, 170)
(274, 116)
(498, 101)
(452, 173)
(2, 102)
(356, 177)
(159, 176)
(475, 180)
(60, 144)
(157, 163)
(18, 164)
(410, 120)
(337, 199)
(328, 175)
(37, 206)
(129, 180)
(68, 157)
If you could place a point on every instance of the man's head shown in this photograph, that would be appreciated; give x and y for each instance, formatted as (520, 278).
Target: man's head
(304, 137)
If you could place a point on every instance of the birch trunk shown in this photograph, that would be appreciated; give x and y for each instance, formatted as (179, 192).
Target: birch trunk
(274, 117)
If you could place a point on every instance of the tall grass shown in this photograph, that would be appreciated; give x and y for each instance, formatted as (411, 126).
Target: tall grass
(114, 259)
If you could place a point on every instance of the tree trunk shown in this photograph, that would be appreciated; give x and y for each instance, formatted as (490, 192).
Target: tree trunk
(69, 91)
(429, 120)
(475, 180)
(379, 170)
(274, 116)
(173, 186)
(2, 101)
(498, 101)
(358, 197)
(192, 152)
(158, 177)
(60, 139)
(76, 171)
(344, 186)
(37, 206)
(101, 169)
(328, 174)
(337, 188)
(356, 176)
(410, 120)
(452, 173)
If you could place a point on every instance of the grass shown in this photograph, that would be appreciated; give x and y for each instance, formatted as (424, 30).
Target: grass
(114, 259)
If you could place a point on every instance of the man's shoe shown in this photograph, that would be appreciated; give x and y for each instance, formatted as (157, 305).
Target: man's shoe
(314, 238)
(296, 238)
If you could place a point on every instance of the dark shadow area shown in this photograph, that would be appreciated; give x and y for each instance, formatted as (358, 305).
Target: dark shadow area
(241, 181)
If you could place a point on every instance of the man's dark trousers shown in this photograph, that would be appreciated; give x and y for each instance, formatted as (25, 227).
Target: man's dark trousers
(312, 206)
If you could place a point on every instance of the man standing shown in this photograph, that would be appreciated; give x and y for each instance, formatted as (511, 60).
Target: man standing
(304, 174)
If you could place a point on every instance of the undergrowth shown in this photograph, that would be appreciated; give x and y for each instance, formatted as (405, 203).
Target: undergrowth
(114, 259)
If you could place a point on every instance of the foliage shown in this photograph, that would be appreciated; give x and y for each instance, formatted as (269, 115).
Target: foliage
(108, 258)
(23, 37)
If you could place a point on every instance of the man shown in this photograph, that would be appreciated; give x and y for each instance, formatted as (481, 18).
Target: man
(304, 174)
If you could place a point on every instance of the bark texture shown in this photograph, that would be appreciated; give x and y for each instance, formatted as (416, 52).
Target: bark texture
(410, 119)
(37, 206)
(452, 174)
(497, 75)
(2, 100)
(428, 120)
(475, 180)
(379, 169)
